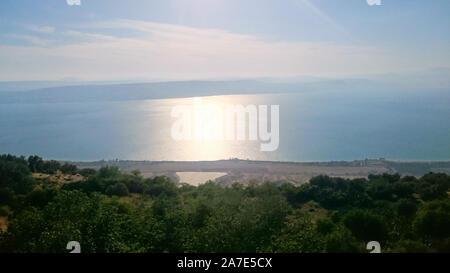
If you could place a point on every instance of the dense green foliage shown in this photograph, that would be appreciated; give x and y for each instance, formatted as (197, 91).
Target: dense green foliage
(111, 211)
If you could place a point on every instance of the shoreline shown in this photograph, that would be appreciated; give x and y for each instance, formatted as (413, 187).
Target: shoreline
(246, 171)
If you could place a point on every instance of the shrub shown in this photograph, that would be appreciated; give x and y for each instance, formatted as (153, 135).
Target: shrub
(118, 189)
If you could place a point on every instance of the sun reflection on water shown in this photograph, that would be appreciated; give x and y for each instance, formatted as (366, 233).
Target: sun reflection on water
(207, 148)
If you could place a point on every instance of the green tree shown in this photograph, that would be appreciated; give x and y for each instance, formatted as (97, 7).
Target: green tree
(433, 220)
(15, 175)
(298, 236)
(119, 189)
(365, 226)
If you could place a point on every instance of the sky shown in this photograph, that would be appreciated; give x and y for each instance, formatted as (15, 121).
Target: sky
(219, 39)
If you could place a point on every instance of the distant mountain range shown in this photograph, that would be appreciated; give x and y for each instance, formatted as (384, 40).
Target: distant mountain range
(51, 92)
(160, 90)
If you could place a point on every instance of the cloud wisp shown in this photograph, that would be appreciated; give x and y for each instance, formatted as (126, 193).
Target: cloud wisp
(41, 29)
(146, 50)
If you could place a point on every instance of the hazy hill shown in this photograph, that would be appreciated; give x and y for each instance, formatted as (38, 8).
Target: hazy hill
(159, 90)
(78, 91)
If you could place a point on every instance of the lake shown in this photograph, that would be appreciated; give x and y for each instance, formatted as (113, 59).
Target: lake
(314, 126)
(198, 178)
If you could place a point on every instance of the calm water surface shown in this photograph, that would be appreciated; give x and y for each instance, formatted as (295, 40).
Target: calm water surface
(313, 126)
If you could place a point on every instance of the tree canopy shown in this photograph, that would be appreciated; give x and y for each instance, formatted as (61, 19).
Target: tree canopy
(112, 211)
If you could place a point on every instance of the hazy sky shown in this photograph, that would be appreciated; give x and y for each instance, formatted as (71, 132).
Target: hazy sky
(187, 39)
